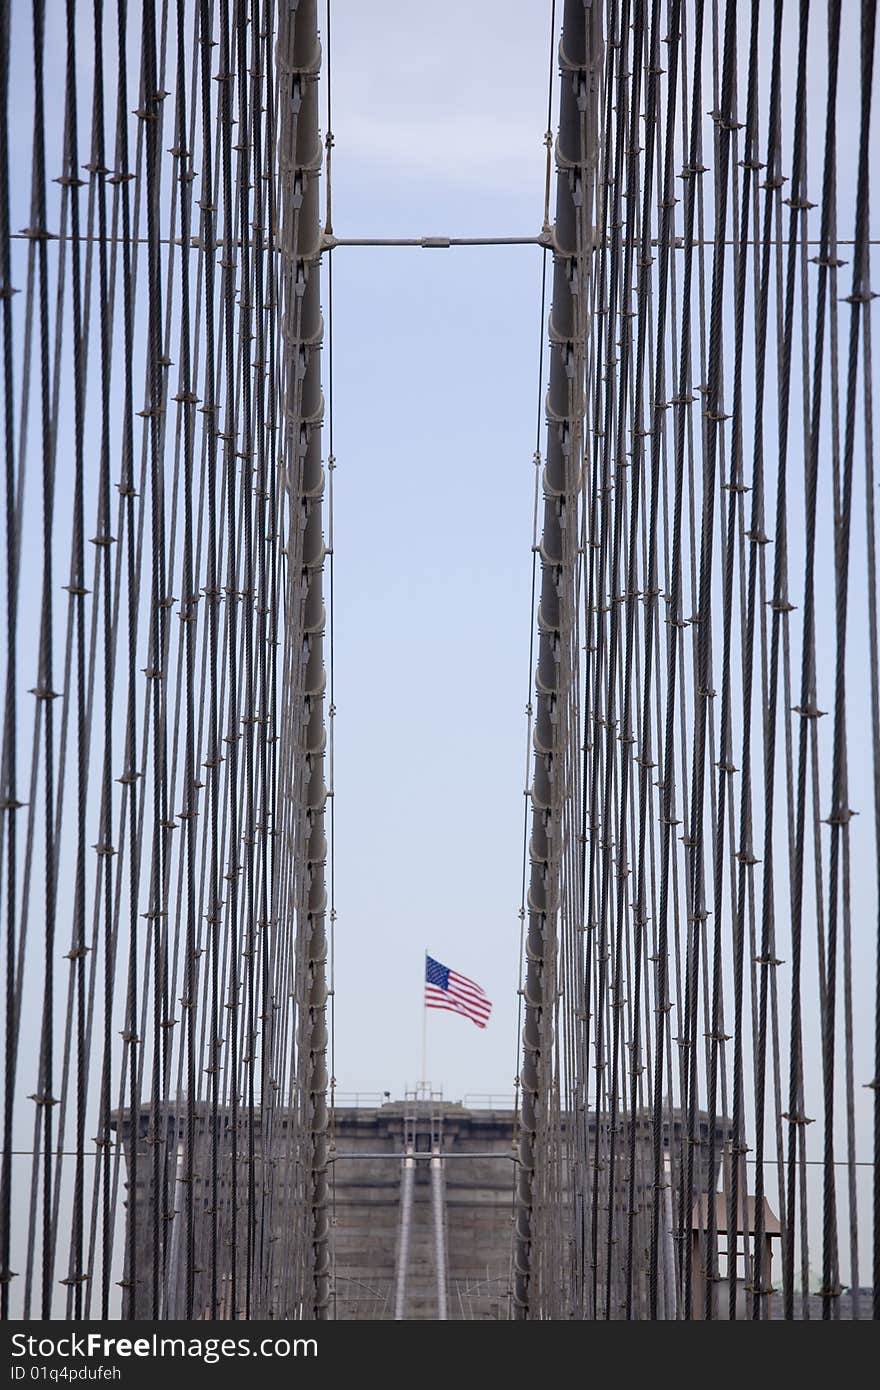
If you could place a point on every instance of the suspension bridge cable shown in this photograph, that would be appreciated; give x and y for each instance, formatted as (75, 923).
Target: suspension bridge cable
(669, 519)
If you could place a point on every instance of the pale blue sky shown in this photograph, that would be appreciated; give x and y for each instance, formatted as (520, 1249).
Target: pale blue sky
(438, 118)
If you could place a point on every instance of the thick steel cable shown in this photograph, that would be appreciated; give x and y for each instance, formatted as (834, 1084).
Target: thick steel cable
(529, 706)
(300, 61)
(841, 814)
(10, 803)
(560, 494)
(331, 665)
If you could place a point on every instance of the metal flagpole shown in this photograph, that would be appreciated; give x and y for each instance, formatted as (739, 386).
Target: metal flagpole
(423, 1086)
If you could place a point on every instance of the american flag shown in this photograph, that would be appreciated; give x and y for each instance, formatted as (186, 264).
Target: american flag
(446, 989)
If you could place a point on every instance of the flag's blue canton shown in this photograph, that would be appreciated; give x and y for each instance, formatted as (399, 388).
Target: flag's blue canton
(436, 974)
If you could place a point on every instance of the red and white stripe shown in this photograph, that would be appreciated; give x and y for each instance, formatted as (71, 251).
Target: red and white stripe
(463, 996)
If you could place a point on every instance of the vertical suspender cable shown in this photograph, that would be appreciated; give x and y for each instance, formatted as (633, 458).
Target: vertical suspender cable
(579, 51)
(300, 164)
(8, 788)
